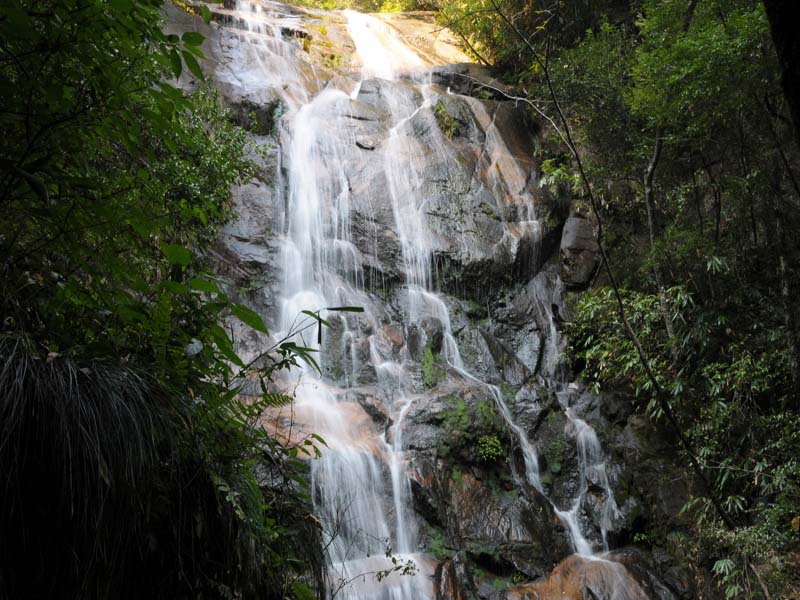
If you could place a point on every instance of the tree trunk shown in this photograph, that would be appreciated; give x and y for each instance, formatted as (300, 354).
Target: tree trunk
(787, 297)
(650, 203)
(783, 18)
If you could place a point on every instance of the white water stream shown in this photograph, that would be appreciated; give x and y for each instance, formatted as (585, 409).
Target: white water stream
(361, 487)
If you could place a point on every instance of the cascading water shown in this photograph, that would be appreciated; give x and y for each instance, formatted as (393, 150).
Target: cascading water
(361, 486)
(365, 510)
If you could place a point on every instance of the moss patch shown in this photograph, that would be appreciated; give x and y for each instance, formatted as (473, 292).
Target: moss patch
(447, 123)
(432, 373)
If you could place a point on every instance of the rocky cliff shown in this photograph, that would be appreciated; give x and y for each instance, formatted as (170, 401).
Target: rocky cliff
(395, 177)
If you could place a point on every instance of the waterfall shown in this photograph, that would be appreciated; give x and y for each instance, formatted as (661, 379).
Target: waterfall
(361, 487)
(383, 59)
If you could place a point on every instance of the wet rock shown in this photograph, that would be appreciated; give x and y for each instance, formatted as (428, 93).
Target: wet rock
(257, 118)
(421, 437)
(393, 333)
(434, 333)
(499, 529)
(356, 364)
(373, 406)
(424, 503)
(493, 235)
(452, 580)
(468, 79)
(422, 428)
(558, 458)
(506, 362)
(612, 577)
(674, 574)
(616, 408)
(427, 333)
(368, 142)
(580, 253)
(255, 212)
(643, 452)
(641, 567)
(530, 405)
(476, 356)
(415, 341)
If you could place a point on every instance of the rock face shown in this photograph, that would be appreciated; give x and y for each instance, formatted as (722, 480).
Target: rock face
(453, 431)
(605, 578)
(580, 253)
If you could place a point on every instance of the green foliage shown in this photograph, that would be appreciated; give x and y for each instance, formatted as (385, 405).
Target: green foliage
(690, 80)
(450, 126)
(555, 453)
(118, 376)
(386, 6)
(362, 5)
(457, 477)
(500, 583)
(474, 432)
(728, 573)
(519, 577)
(559, 178)
(492, 40)
(432, 373)
(489, 448)
(395, 6)
(437, 544)
(724, 382)
(459, 417)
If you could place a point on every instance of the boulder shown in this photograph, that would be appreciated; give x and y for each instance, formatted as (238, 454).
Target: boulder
(609, 577)
(580, 253)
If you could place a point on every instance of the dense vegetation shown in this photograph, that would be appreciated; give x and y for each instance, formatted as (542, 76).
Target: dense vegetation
(677, 116)
(371, 5)
(130, 468)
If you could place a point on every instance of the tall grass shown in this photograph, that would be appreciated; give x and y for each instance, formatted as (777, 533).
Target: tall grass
(109, 488)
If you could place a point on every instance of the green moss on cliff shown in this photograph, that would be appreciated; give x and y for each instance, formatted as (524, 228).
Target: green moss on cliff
(432, 373)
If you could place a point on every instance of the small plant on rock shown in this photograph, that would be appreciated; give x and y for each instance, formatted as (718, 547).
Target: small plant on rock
(489, 448)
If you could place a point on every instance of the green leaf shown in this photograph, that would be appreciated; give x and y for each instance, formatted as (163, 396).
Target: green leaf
(192, 63)
(175, 63)
(193, 38)
(173, 287)
(249, 317)
(204, 285)
(176, 255)
(302, 353)
(224, 344)
(206, 13)
(170, 91)
(316, 317)
(353, 309)
(120, 5)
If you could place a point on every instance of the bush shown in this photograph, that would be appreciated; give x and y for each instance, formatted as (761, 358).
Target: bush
(489, 448)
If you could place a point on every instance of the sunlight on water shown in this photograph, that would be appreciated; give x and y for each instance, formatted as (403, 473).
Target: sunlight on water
(382, 54)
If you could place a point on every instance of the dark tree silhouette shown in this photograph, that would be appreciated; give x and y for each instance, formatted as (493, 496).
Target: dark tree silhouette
(783, 18)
